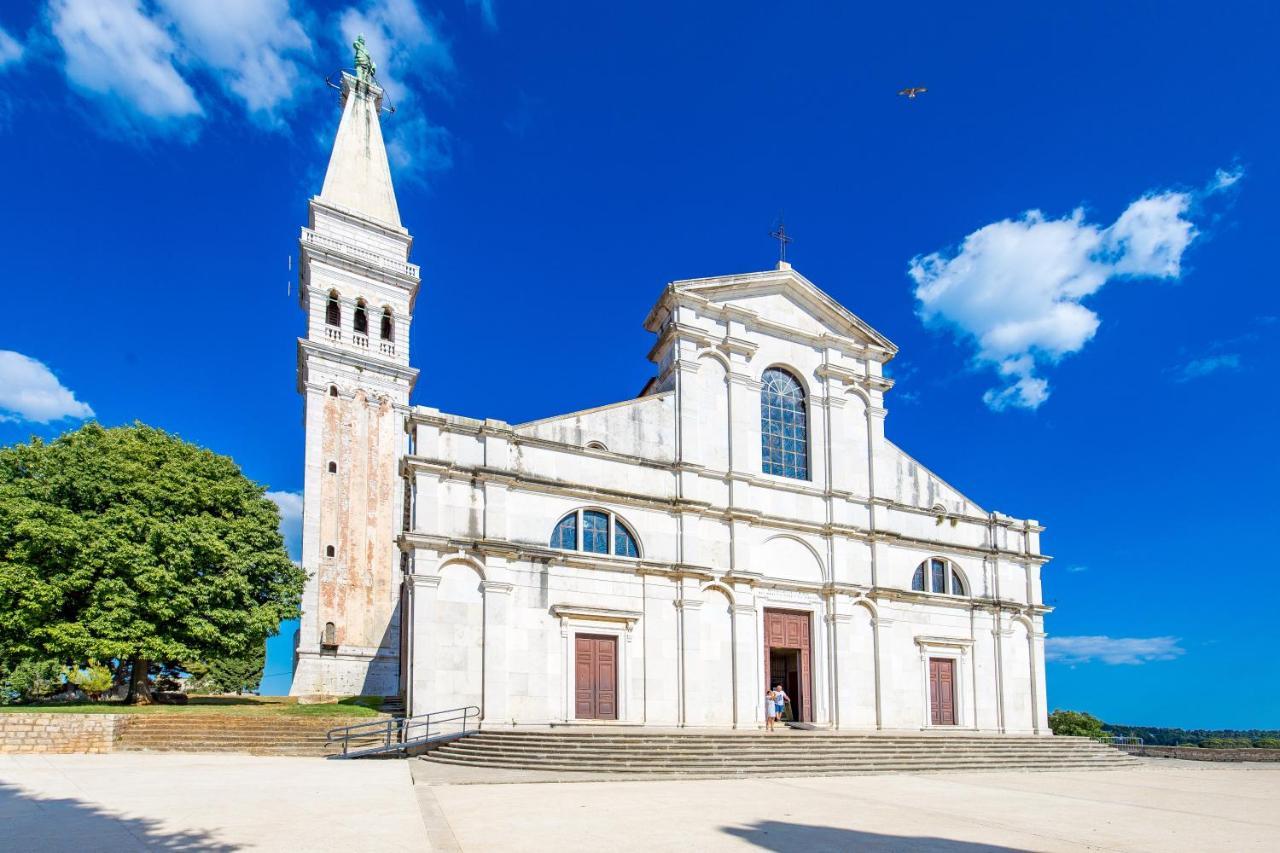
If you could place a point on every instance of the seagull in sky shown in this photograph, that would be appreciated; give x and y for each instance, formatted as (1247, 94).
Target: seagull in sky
(911, 91)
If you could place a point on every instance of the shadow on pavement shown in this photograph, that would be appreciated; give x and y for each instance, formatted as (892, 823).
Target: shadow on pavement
(790, 837)
(32, 822)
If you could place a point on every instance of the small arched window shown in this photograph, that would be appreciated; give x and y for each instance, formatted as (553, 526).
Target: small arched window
(939, 576)
(330, 635)
(784, 426)
(596, 445)
(595, 532)
(333, 467)
(332, 310)
(388, 327)
(328, 551)
(361, 322)
(333, 390)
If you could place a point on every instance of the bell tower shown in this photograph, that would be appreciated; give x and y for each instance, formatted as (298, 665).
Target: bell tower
(358, 290)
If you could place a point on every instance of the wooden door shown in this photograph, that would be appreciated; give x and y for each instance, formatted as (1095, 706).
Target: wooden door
(596, 677)
(942, 691)
(789, 629)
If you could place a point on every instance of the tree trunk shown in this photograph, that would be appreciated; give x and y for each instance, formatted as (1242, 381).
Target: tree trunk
(139, 685)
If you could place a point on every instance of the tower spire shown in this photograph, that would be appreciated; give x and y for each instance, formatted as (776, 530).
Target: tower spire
(359, 177)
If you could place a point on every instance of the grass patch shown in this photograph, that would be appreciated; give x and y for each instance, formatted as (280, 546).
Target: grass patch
(254, 706)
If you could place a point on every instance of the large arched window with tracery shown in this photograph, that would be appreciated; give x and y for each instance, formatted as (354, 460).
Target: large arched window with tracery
(938, 575)
(596, 532)
(784, 426)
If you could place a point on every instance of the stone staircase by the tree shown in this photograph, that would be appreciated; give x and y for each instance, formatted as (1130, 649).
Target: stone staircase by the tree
(782, 753)
(259, 735)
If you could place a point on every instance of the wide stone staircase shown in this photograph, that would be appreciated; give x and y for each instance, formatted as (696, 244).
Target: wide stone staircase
(265, 735)
(782, 753)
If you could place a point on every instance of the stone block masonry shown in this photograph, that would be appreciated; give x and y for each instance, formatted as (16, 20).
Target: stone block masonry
(58, 733)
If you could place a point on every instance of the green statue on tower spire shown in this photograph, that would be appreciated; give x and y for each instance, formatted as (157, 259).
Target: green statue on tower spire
(365, 69)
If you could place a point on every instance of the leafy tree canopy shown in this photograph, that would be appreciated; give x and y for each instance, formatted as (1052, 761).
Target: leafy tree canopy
(131, 544)
(1076, 723)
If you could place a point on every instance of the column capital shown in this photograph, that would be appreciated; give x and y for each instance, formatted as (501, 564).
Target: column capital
(496, 587)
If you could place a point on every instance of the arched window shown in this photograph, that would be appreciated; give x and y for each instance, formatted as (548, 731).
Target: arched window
(333, 390)
(328, 551)
(333, 467)
(332, 310)
(596, 445)
(938, 575)
(330, 635)
(596, 532)
(361, 323)
(388, 327)
(784, 426)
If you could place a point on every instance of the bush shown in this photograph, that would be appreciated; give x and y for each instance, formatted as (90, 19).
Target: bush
(1075, 723)
(94, 680)
(31, 681)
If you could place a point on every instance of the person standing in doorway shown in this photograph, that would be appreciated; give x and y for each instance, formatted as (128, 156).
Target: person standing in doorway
(770, 710)
(780, 699)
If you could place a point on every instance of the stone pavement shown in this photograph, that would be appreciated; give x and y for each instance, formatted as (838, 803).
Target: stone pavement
(205, 802)
(1160, 806)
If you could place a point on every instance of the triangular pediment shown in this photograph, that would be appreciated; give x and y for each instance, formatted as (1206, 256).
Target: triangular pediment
(786, 298)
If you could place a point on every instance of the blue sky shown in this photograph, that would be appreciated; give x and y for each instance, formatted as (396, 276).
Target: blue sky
(1068, 236)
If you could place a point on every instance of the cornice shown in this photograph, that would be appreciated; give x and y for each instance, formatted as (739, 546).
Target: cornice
(350, 358)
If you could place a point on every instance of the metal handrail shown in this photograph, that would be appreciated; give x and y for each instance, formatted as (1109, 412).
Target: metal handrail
(399, 733)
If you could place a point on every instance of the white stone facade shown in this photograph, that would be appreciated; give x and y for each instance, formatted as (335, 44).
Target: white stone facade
(496, 617)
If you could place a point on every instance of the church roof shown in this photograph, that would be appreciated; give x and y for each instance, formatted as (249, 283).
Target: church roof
(795, 286)
(359, 178)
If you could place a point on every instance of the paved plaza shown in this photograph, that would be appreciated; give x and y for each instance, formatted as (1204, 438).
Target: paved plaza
(236, 802)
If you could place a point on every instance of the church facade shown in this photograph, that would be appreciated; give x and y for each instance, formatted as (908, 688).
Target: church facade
(663, 560)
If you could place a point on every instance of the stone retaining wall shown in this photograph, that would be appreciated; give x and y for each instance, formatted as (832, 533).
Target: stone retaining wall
(1195, 753)
(22, 732)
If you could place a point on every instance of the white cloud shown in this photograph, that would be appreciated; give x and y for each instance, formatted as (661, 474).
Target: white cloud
(1111, 650)
(290, 506)
(1015, 288)
(114, 49)
(412, 57)
(1225, 178)
(1074, 569)
(10, 49)
(1199, 367)
(251, 46)
(30, 392)
(487, 12)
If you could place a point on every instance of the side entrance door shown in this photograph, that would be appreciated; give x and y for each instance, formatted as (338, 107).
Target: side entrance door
(596, 687)
(942, 691)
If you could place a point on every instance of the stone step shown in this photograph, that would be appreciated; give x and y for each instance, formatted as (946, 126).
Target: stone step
(758, 757)
(764, 754)
(792, 770)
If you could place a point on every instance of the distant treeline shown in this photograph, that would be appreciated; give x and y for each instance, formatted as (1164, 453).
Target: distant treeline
(1207, 738)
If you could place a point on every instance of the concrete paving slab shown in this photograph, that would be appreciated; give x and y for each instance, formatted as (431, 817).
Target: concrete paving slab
(1158, 806)
(206, 802)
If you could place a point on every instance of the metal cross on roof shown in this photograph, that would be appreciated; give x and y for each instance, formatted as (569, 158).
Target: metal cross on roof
(781, 236)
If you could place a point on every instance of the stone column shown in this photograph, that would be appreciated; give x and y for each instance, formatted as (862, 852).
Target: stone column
(842, 682)
(497, 613)
(422, 600)
(690, 654)
(747, 669)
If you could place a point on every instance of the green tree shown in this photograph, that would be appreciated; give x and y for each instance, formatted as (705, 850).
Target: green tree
(228, 675)
(129, 544)
(94, 679)
(31, 681)
(1076, 723)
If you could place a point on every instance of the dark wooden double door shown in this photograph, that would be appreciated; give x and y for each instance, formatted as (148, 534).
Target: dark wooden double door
(942, 691)
(596, 677)
(788, 659)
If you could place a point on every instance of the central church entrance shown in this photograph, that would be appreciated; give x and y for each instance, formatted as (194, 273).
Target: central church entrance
(596, 677)
(787, 660)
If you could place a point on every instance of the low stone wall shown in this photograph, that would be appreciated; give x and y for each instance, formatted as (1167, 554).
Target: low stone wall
(1195, 753)
(21, 732)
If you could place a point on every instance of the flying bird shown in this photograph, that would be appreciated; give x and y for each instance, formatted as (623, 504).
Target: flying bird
(911, 91)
